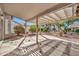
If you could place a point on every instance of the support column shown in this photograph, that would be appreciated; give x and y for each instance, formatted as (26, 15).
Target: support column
(9, 26)
(37, 30)
(12, 26)
(40, 50)
(25, 29)
(4, 18)
(0, 29)
(40, 29)
(25, 34)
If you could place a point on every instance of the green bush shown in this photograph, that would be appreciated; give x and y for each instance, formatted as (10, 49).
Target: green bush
(18, 29)
(44, 29)
(33, 28)
(77, 31)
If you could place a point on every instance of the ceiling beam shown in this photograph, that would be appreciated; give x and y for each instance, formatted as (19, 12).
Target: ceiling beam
(40, 21)
(43, 22)
(58, 16)
(55, 20)
(52, 17)
(65, 12)
(73, 11)
(48, 19)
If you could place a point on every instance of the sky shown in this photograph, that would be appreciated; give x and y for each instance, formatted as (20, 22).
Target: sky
(21, 21)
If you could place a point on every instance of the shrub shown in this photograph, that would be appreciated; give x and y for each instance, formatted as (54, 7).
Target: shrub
(18, 29)
(77, 31)
(33, 28)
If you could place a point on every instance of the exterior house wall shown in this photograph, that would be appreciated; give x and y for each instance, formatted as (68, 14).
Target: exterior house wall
(1, 25)
(6, 25)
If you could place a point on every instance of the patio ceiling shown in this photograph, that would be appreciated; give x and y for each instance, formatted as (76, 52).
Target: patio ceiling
(47, 12)
(26, 10)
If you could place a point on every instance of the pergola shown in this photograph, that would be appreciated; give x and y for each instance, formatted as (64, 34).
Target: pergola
(40, 13)
(64, 13)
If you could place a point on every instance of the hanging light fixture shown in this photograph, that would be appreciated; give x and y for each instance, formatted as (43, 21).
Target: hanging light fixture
(77, 10)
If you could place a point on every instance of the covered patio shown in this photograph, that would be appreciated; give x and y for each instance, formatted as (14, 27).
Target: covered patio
(39, 42)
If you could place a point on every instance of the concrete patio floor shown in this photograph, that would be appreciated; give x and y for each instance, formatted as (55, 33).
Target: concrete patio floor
(50, 45)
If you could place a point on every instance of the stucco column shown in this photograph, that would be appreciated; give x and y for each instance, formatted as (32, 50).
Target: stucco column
(9, 26)
(0, 29)
(3, 28)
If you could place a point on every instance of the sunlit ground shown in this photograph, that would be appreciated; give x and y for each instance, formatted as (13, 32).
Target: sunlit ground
(50, 45)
